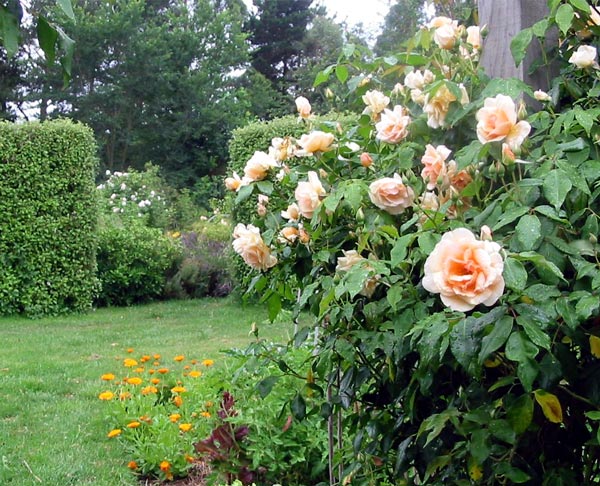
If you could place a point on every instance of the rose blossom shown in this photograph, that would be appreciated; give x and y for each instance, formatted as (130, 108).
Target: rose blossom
(258, 166)
(233, 183)
(376, 102)
(446, 32)
(288, 234)
(250, 246)
(474, 36)
(393, 125)
(414, 80)
(435, 168)
(281, 149)
(351, 258)
(391, 195)
(437, 107)
(497, 121)
(316, 141)
(465, 271)
(308, 194)
(292, 213)
(303, 107)
(540, 95)
(583, 57)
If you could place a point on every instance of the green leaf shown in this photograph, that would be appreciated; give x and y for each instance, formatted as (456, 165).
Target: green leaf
(435, 424)
(341, 72)
(320, 78)
(298, 406)
(400, 249)
(520, 414)
(573, 146)
(529, 232)
(515, 275)
(585, 119)
(67, 8)
(244, 193)
(265, 187)
(534, 332)
(274, 306)
(9, 31)
(468, 155)
(512, 473)
(586, 306)
(519, 45)
(47, 37)
(265, 386)
(519, 348)
(496, 338)
(354, 280)
(509, 216)
(564, 17)
(581, 5)
(556, 187)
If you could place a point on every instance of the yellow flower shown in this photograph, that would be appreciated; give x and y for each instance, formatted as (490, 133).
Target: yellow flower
(189, 458)
(162, 371)
(165, 466)
(155, 381)
(156, 356)
(174, 417)
(129, 362)
(180, 357)
(195, 373)
(176, 234)
(133, 425)
(124, 395)
(185, 427)
(139, 370)
(145, 358)
(106, 395)
(149, 390)
(208, 362)
(130, 350)
(151, 371)
(205, 414)
(107, 377)
(178, 401)
(135, 380)
(114, 433)
(178, 389)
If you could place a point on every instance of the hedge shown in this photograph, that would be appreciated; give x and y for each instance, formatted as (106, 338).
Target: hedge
(47, 218)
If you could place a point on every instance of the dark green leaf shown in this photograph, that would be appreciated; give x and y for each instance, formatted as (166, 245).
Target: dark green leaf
(520, 414)
(495, 339)
(47, 37)
(533, 330)
(244, 193)
(564, 17)
(341, 72)
(9, 31)
(556, 187)
(400, 249)
(468, 155)
(510, 216)
(298, 406)
(519, 45)
(265, 187)
(265, 386)
(519, 348)
(515, 275)
(274, 306)
(529, 232)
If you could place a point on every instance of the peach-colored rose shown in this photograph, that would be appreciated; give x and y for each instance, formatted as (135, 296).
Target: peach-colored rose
(465, 271)
(281, 149)
(393, 126)
(351, 258)
(391, 195)
(303, 107)
(258, 166)
(414, 80)
(308, 195)
(541, 95)
(376, 102)
(292, 213)
(289, 234)
(583, 57)
(366, 160)
(497, 121)
(437, 106)
(249, 244)
(417, 96)
(458, 180)
(233, 183)
(316, 141)
(474, 36)
(446, 32)
(435, 169)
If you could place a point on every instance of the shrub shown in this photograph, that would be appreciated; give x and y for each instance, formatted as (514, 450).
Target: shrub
(48, 223)
(134, 262)
(447, 242)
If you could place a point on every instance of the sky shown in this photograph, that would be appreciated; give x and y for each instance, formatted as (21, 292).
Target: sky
(370, 12)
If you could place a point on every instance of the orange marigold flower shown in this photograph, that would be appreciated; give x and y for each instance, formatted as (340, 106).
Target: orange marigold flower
(130, 350)
(134, 380)
(178, 389)
(151, 371)
(165, 466)
(155, 381)
(124, 395)
(194, 361)
(156, 363)
(132, 465)
(139, 370)
(107, 377)
(133, 425)
(208, 362)
(106, 395)
(174, 417)
(147, 390)
(185, 427)
(145, 358)
(180, 357)
(146, 418)
(130, 362)
(189, 458)
(114, 433)
(195, 373)
(156, 356)
(186, 367)
(162, 371)
(205, 414)
(178, 401)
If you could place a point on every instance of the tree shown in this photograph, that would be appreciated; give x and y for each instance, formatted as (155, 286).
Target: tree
(400, 24)
(155, 81)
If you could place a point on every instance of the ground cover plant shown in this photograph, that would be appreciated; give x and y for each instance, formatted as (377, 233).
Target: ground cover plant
(53, 427)
(447, 242)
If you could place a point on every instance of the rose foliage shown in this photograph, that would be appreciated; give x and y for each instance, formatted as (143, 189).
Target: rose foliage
(447, 244)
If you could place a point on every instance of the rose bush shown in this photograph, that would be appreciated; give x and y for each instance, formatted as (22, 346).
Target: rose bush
(453, 358)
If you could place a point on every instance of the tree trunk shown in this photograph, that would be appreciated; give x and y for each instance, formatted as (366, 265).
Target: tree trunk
(504, 19)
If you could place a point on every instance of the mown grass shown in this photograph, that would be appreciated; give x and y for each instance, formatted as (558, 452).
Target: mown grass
(52, 430)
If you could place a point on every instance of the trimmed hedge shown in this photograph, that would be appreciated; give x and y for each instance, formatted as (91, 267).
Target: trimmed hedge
(47, 218)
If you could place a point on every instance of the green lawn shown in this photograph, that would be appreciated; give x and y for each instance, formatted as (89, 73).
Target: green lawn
(51, 421)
